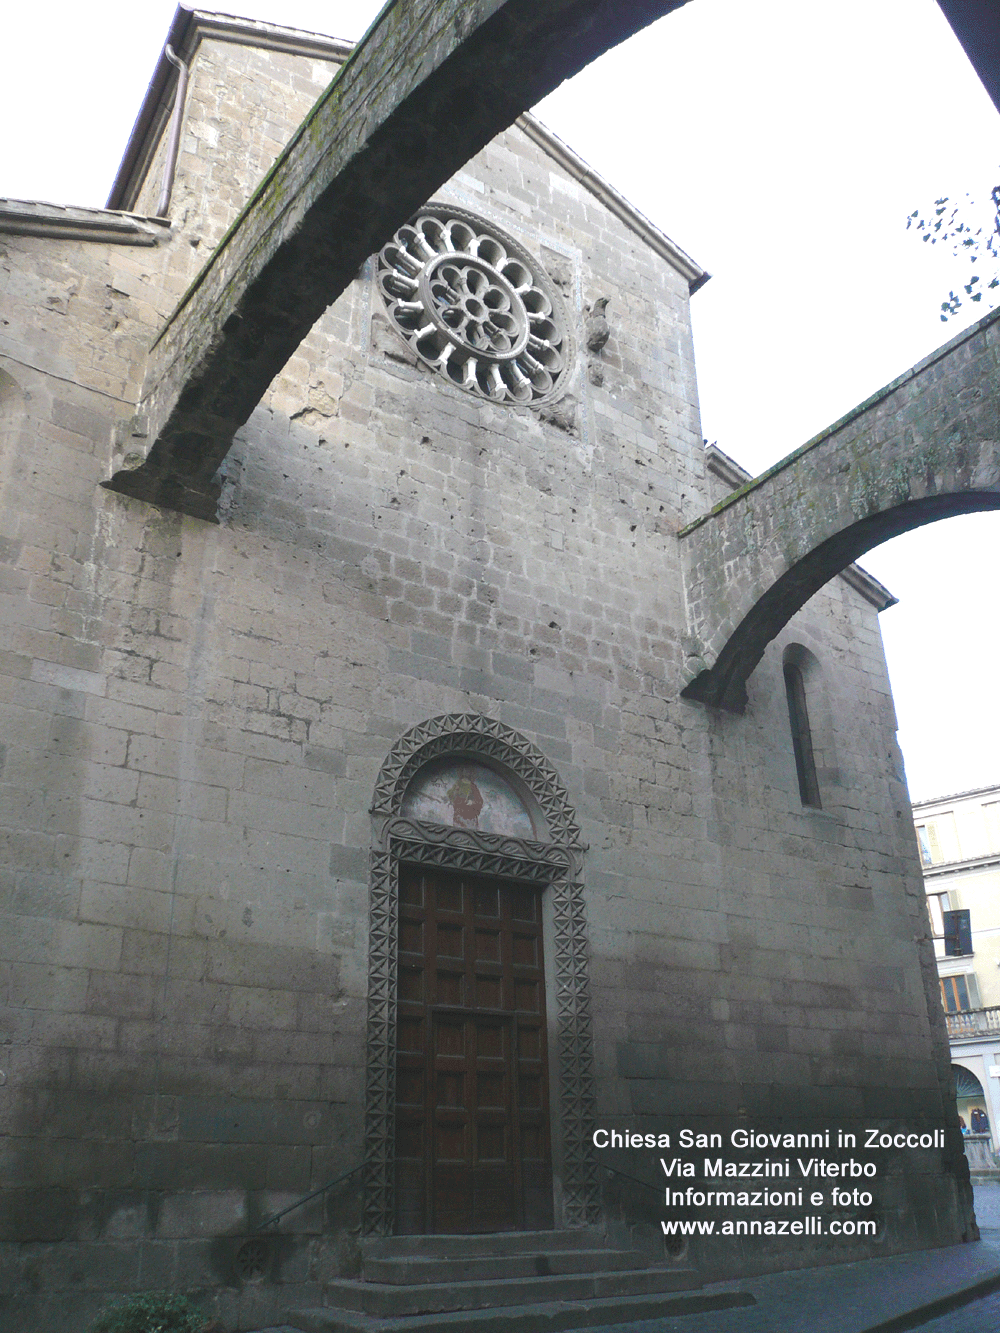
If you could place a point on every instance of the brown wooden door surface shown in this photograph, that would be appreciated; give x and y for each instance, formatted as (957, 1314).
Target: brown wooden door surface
(472, 1113)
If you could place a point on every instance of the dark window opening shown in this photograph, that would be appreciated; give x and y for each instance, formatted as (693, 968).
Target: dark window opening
(798, 717)
(954, 995)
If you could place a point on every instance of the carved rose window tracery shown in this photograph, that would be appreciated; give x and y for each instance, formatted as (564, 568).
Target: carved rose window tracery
(475, 306)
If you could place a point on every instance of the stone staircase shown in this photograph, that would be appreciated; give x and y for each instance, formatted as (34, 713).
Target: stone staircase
(513, 1282)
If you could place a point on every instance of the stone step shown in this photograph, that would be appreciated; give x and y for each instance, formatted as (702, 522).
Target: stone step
(403, 1269)
(385, 1301)
(536, 1317)
(486, 1243)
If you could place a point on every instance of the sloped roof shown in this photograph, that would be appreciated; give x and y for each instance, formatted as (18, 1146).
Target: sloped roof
(190, 27)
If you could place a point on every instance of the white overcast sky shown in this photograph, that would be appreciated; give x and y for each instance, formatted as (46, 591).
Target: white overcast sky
(780, 143)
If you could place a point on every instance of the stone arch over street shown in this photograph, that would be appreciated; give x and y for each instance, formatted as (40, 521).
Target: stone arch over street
(425, 89)
(921, 449)
(926, 447)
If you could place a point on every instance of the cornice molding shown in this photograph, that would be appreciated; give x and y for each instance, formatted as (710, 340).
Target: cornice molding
(27, 217)
(268, 36)
(925, 807)
(948, 868)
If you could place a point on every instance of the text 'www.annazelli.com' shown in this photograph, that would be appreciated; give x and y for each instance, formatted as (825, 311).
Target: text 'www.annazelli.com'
(775, 1226)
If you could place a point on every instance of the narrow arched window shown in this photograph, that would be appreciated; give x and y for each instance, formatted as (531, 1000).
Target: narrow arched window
(798, 717)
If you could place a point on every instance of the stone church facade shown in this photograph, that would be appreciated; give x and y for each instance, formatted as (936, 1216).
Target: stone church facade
(363, 836)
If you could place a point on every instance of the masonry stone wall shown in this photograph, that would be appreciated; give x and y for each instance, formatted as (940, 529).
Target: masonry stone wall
(242, 105)
(194, 718)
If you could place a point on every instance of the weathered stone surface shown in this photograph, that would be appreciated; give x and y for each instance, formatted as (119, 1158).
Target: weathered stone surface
(194, 718)
(429, 86)
(925, 447)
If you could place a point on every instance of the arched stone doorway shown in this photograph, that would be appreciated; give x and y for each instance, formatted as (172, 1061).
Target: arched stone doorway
(465, 800)
(973, 1110)
(971, 1100)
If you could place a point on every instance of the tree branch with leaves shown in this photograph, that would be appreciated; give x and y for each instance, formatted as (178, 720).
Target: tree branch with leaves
(954, 224)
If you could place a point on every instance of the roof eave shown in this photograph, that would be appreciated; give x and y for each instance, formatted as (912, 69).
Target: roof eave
(187, 29)
(153, 105)
(613, 200)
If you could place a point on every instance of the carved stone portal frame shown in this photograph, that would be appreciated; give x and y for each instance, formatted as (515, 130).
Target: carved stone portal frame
(555, 864)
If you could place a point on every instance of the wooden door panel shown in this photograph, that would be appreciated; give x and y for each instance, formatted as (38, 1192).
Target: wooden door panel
(472, 1140)
(495, 1182)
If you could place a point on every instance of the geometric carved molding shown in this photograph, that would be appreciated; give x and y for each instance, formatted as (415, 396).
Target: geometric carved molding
(555, 864)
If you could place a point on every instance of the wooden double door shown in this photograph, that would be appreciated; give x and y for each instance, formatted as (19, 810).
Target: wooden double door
(472, 1101)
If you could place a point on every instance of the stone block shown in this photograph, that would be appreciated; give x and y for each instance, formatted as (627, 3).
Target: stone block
(202, 1213)
(37, 986)
(186, 1166)
(32, 1215)
(121, 995)
(349, 863)
(271, 966)
(256, 1007)
(40, 895)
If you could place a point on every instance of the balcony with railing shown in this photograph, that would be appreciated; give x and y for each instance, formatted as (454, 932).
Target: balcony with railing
(974, 1022)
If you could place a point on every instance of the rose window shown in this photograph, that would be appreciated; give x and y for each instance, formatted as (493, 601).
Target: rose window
(474, 305)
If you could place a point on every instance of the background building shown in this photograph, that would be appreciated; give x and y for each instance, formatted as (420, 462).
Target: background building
(959, 841)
